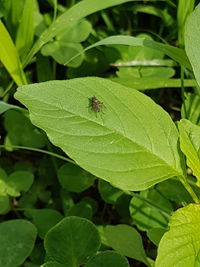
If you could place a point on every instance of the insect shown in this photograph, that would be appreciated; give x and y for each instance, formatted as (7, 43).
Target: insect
(95, 104)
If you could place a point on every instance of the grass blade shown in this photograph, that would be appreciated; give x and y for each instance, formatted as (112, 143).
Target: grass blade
(10, 58)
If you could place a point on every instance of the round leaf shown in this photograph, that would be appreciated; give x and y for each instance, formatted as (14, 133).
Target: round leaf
(72, 241)
(74, 179)
(44, 219)
(19, 181)
(17, 241)
(108, 259)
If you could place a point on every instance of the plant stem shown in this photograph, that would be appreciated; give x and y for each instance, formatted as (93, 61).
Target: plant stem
(41, 151)
(189, 189)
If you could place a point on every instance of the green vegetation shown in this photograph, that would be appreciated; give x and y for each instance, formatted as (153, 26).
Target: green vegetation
(100, 133)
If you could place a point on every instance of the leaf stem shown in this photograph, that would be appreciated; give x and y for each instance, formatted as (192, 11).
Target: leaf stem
(41, 151)
(189, 189)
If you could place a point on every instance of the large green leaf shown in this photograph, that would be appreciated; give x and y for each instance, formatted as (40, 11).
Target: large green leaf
(17, 241)
(72, 241)
(190, 145)
(180, 246)
(132, 142)
(192, 39)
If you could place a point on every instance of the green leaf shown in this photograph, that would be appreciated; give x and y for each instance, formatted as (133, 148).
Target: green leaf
(192, 39)
(72, 16)
(180, 246)
(68, 44)
(132, 143)
(17, 241)
(21, 131)
(44, 219)
(190, 108)
(25, 32)
(175, 53)
(81, 209)
(155, 235)
(152, 83)
(72, 241)
(109, 193)
(4, 203)
(74, 179)
(146, 216)
(190, 145)
(126, 241)
(53, 264)
(10, 58)
(5, 106)
(174, 190)
(19, 181)
(62, 52)
(108, 259)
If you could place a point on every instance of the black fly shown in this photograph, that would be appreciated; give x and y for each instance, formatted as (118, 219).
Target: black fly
(95, 104)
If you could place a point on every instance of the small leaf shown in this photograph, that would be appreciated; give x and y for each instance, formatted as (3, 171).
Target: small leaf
(190, 145)
(17, 241)
(4, 204)
(44, 219)
(132, 143)
(155, 235)
(72, 241)
(109, 193)
(180, 246)
(81, 209)
(53, 264)
(108, 259)
(74, 179)
(127, 241)
(19, 181)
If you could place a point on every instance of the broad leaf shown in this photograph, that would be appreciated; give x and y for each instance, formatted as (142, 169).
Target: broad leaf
(127, 241)
(108, 259)
(180, 246)
(190, 145)
(192, 39)
(17, 241)
(72, 241)
(131, 142)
